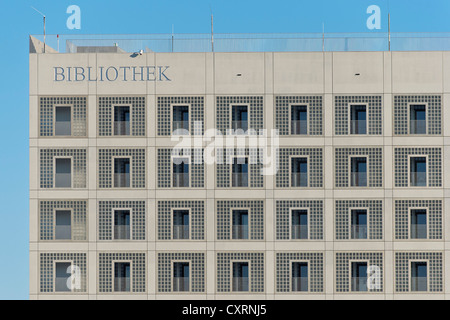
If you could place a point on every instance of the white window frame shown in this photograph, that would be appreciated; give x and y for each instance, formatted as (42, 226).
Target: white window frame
(410, 262)
(231, 172)
(232, 261)
(54, 276)
(71, 171)
(113, 262)
(131, 223)
(172, 211)
(410, 104)
(113, 109)
(290, 118)
(307, 171)
(131, 172)
(409, 170)
(291, 224)
(71, 106)
(71, 224)
(172, 277)
(350, 157)
(172, 173)
(349, 120)
(249, 223)
(410, 209)
(188, 105)
(230, 124)
(350, 262)
(291, 262)
(350, 223)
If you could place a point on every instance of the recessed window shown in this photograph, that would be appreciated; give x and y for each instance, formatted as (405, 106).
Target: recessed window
(240, 225)
(299, 172)
(181, 277)
(63, 121)
(122, 276)
(63, 277)
(240, 277)
(181, 224)
(418, 224)
(122, 173)
(63, 225)
(299, 224)
(180, 172)
(359, 276)
(122, 222)
(240, 172)
(358, 120)
(359, 224)
(180, 120)
(299, 277)
(419, 276)
(121, 121)
(299, 120)
(63, 173)
(239, 121)
(418, 119)
(418, 171)
(359, 172)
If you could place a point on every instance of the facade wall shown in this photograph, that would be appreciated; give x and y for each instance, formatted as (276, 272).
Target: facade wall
(269, 84)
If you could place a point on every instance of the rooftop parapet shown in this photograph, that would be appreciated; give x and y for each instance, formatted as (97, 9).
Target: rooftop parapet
(269, 42)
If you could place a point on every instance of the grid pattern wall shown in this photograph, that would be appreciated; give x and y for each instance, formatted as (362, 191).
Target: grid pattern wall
(196, 167)
(47, 271)
(374, 218)
(315, 166)
(434, 165)
(434, 213)
(196, 217)
(403, 272)
(256, 112)
(196, 270)
(224, 166)
(106, 218)
(315, 268)
(374, 113)
(78, 156)
(343, 260)
(105, 166)
(433, 110)
(256, 270)
(47, 218)
(106, 114)
(47, 117)
(374, 166)
(196, 114)
(106, 271)
(255, 213)
(315, 218)
(314, 109)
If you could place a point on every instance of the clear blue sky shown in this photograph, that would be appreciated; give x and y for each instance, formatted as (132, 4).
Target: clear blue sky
(18, 20)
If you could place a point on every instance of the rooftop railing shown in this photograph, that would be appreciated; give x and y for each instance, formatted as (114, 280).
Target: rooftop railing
(267, 42)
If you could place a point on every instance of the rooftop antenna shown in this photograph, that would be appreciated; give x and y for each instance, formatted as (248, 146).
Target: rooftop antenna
(389, 25)
(323, 36)
(172, 36)
(44, 23)
(212, 29)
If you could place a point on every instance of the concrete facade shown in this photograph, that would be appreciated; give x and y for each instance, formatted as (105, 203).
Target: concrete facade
(384, 80)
